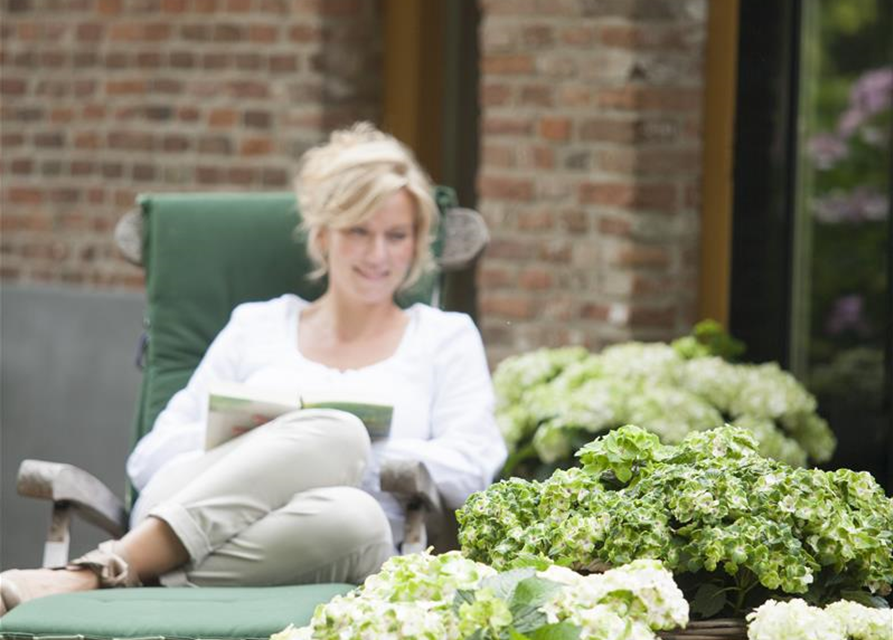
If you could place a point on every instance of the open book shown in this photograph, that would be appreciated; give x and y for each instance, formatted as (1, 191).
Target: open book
(234, 408)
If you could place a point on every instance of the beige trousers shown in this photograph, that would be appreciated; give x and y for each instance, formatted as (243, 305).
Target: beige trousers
(278, 505)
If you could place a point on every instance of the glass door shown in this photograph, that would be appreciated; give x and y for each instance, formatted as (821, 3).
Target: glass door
(811, 282)
(840, 295)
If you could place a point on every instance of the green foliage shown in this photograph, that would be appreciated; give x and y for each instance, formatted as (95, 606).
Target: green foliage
(711, 508)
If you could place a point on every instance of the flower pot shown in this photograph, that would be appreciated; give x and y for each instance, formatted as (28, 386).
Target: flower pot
(718, 629)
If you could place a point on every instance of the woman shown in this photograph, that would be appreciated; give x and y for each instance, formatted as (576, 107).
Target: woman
(297, 500)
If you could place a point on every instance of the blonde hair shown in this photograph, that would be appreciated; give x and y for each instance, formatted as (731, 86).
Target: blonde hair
(342, 182)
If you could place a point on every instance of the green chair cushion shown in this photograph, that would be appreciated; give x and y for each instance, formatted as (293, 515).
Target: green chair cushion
(176, 613)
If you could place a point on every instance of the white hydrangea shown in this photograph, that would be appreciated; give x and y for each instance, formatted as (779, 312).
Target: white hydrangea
(767, 391)
(861, 622)
(413, 598)
(712, 378)
(793, 620)
(655, 362)
(641, 592)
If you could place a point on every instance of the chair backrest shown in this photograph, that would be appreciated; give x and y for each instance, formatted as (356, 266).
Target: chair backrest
(205, 253)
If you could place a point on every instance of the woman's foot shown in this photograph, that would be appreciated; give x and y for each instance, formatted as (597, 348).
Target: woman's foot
(18, 586)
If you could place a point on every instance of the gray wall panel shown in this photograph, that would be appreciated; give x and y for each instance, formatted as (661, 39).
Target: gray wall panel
(68, 390)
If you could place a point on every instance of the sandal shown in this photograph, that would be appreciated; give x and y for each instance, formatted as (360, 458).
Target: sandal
(110, 569)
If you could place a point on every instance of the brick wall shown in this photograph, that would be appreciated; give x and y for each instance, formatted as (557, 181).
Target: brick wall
(103, 99)
(590, 170)
(590, 136)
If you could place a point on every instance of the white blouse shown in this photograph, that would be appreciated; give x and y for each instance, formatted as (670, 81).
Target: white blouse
(437, 380)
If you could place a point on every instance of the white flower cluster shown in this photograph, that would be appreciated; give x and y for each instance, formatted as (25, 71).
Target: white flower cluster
(553, 399)
(796, 620)
(626, 603)
(414, 598)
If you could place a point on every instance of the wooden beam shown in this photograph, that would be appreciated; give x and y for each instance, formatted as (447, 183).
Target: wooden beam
(720, 92)
(414, 77)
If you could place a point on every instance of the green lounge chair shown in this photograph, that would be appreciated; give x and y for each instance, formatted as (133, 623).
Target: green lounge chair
(203, 254)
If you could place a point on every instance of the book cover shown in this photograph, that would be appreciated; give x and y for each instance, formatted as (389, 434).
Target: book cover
(234, 408)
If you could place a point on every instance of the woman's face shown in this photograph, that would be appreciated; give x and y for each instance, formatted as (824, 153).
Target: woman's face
(369, 261)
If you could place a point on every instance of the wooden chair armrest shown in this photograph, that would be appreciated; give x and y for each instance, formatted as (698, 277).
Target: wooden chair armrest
(411, 483)
(74, 487)
(465, 238)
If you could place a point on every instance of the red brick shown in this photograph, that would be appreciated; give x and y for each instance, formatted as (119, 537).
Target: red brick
(543, 157)
(536, 279)
(595, 311)
(21, 166)
(662, 99)
(536, 220)
(499, 125)
(492, 277)
(25, 195)
(557, 250)
(182, 59)
(557, 129)
(499, 156)
(205, 6)
(175, 142)
(174, 6)
(507, 64)
(264, 33)
(248, 61)
(9, 140)
(509, 249)
(537, 36)
(275, 177)
(612, 226)
(223, 117)
(285, 63)
(90, 31)
(537, 95)
(494, 95)
(87, 140)
(652, 197)
(514, 189)
(652, 316)
(249, 89)
(131, 140)
(644, 37)
(575, 221)
(305, 33)
(508, 306)
(605, 129)
(256, 147)
(49, 140)
(109, 7)
(579, 36)
(125, 87)
(196, 32)
(228, 33)
(215, 145)
(242, 176)
(642, 256)
(13, 87)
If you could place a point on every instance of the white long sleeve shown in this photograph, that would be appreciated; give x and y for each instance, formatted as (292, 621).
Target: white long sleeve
(465, 449)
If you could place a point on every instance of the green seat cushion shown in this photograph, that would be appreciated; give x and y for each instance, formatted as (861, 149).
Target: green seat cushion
(159, 612)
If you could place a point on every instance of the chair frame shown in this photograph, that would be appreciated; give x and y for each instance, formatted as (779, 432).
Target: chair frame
(74, 491)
